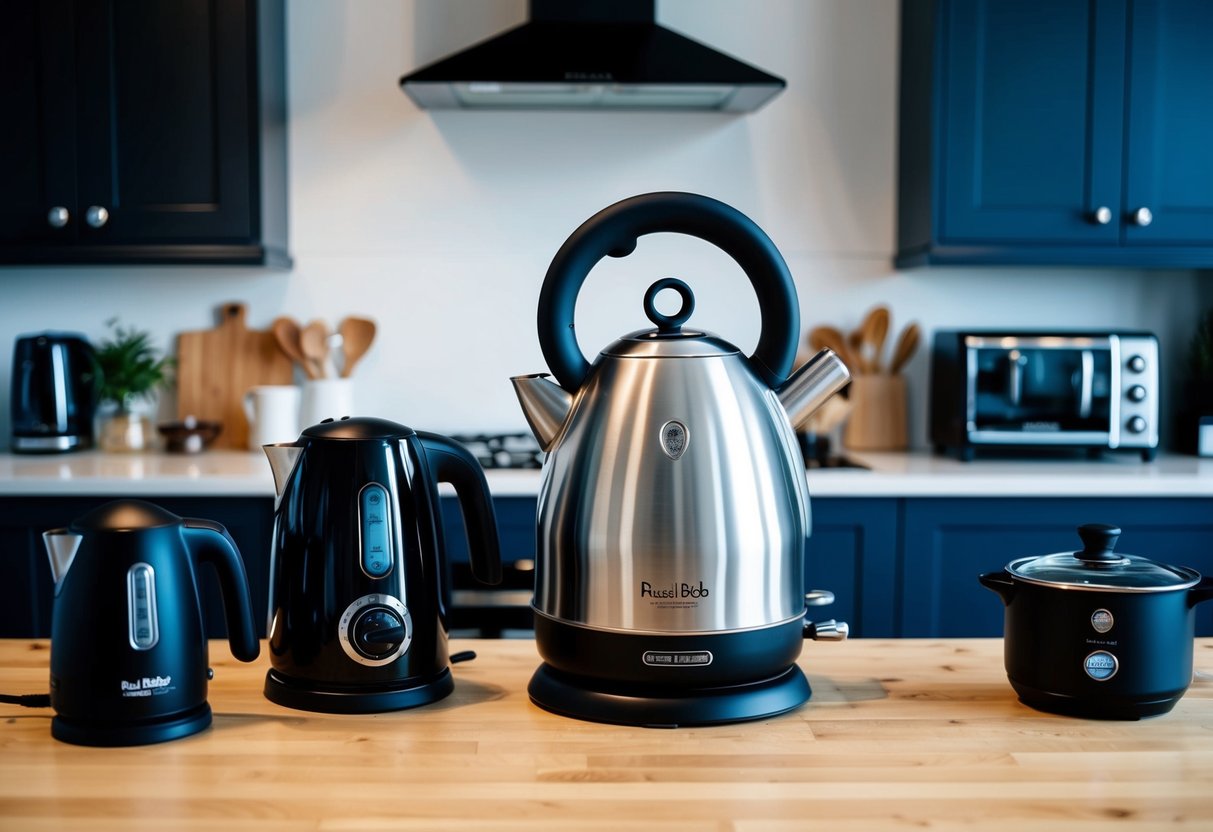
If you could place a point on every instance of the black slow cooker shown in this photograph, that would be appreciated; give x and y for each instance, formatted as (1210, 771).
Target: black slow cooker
(1098, 634)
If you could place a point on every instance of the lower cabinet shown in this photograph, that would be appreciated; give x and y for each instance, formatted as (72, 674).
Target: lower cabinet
(949, 542)
(898, 567)
(852, 552)
(28, 591)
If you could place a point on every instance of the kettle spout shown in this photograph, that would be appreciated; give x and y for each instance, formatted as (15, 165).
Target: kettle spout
(812, 386)
(282, 458)
(545, 404)
(61, 547)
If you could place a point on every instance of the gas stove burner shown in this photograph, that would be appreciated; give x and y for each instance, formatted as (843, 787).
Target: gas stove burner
(503, 450)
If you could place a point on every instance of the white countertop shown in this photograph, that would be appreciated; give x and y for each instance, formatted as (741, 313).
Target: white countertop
(245, 474)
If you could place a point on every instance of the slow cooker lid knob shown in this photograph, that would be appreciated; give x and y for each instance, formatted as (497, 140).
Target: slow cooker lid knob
(1098, 540)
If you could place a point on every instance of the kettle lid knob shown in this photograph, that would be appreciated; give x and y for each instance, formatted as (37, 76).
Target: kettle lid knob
(669, 324)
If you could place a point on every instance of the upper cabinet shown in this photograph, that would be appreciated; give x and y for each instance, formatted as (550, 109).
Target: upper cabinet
(1064, 132)
(143, 132)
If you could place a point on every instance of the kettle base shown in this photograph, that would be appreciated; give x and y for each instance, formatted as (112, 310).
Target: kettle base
(596, 701)
(307, 695)
(123, 733)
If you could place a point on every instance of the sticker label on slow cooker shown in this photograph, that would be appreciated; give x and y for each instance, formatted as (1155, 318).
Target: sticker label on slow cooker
(680, 658)
(1102, 621)
(1101, 665)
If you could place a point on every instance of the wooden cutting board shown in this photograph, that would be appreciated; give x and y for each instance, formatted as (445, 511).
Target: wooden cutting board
(216, 367)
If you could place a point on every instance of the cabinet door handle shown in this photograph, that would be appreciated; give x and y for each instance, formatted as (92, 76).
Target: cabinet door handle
(1142, 217)
(58, 216)
(96, 216)
(1101, 215)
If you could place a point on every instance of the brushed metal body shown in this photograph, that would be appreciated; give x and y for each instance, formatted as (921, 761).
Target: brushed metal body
(716, 534)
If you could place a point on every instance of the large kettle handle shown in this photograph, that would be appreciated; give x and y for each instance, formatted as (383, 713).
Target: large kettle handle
(209, 542)
(614, 231)
(452, 463)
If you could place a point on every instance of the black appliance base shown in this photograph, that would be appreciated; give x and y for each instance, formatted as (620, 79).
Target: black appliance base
(595, 701)
(307, 695)
(114, 734)
(1115, 708)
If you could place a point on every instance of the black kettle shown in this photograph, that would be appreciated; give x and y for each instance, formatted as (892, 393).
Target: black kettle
(129, 659)
(357, 617)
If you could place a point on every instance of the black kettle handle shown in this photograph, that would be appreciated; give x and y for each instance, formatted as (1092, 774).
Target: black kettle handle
(614, 231)
(451, 462)
(209, 542)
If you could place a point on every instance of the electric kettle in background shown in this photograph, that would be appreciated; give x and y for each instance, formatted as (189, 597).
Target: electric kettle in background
(357, 619)
(129, 661)
(674, 506)
(54, 393)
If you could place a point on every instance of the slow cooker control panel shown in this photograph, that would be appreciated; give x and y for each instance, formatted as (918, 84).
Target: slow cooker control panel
(375, 630)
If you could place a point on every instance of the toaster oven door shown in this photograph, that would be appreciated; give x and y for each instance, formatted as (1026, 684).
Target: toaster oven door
(1042, 390)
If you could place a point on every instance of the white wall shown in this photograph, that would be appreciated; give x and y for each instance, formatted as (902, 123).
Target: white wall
(441, 224)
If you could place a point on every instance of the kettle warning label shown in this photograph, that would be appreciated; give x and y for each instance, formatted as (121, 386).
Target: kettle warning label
(680, 658)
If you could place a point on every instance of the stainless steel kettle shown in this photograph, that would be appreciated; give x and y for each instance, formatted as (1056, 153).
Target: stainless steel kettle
(674, 506)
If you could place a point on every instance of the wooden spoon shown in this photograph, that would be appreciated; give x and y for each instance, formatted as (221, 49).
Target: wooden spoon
(827, 337)
(356, 336)
(289, 337)
(907, 343)
(875, 331)
(315, 343)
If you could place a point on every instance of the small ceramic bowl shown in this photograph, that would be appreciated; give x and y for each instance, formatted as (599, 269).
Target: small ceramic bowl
(190, 436)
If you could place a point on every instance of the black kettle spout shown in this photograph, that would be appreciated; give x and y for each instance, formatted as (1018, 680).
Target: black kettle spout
(999, 582)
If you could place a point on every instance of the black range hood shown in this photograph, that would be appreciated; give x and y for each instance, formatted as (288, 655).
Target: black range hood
(591, 54)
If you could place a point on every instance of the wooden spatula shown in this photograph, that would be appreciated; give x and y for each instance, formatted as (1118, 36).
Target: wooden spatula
(356, 336)
(290, 340)
(907, 343)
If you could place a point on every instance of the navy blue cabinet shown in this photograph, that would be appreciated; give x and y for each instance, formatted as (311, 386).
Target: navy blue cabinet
(1056, 132)
(27, 589)
(140, 133)
(949, 542)
(853, 553)
(898, 567)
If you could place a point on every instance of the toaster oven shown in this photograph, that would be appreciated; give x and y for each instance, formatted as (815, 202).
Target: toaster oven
(1036, 390)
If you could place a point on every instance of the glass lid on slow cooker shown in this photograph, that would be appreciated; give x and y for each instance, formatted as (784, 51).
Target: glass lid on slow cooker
(1097, 565)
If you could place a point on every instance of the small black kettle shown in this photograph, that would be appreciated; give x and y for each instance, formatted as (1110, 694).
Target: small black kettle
(357, 571)
(129, 659)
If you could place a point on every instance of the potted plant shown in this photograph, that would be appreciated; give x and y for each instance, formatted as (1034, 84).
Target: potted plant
(131, 369)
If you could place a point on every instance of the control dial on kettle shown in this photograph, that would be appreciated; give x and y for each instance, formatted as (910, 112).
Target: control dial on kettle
(375, 630)
(378, 632)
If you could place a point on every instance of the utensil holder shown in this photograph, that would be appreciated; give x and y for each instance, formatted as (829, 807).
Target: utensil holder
(326, 398)
(878, 413)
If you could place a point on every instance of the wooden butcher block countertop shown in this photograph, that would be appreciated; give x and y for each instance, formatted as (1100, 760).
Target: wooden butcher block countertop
(898, 735)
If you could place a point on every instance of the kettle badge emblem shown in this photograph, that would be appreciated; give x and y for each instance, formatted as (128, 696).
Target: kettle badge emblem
(674, 438)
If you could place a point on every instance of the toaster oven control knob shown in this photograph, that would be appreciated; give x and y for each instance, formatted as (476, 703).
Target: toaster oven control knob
(378, 632)
(1136, 425)
(1137, 393)
(1136, 364)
